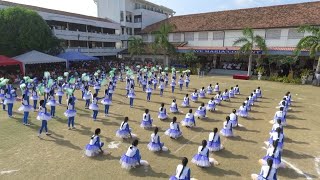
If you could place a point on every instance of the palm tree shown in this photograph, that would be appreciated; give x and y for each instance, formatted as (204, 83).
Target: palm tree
(248, 42)
(162, 39)
(136, 46)
(311, 43)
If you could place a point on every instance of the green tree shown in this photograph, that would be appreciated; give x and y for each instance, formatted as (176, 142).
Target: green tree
(135, 46)
(23, 30)
(311, 42)
(162, 39)
(281, 60)
(190, 58)
(248, 42)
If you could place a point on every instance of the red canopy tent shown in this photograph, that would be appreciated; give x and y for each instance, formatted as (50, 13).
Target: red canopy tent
(6, 61)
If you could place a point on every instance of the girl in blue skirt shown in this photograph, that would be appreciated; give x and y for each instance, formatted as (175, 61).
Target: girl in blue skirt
(182, 172)
(95, 145)
(214, 141)
(132, 157)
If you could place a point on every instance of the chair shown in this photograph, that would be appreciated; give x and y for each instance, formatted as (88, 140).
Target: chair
(238, 66)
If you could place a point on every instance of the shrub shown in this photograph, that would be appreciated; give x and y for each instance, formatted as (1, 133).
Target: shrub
(285, 79)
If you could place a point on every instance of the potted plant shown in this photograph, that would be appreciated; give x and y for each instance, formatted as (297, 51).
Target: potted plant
(260, 70)
(304, 75)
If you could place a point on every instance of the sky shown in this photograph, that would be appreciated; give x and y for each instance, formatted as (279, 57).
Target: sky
(181, 7)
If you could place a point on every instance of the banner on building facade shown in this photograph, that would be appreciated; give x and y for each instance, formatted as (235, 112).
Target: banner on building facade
(222, 51)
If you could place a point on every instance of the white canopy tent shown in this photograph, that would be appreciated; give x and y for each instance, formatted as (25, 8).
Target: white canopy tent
(35, 57)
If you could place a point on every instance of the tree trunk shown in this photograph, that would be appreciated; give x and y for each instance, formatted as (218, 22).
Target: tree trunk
(250, 64)
(318, 65)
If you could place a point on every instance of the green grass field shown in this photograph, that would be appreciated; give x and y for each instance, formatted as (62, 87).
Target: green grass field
(61, 156)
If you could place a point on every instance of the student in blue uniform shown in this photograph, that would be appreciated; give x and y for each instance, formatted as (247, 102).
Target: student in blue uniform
(180, 82)
(106, 102)
(70, 113)
(173, 85)
(95, 146)
(146, 120)
(9, 101)
(268, 172)
(149, 91)
(131, 95)
(52, 103)
(94, 107)
(155, 144)
(174, 130)
(201, 159)
(189, 121)
(44, 117)
(34, 97)
(124, 131)
(132, 157)
(214, 143)
(182, 172)
(26, 108)
(227, 128)
(186, 101)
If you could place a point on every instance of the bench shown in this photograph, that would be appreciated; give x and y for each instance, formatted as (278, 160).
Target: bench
(240, 76)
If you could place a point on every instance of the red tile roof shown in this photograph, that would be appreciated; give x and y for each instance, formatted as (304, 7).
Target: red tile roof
(35, 8)
(292, 15)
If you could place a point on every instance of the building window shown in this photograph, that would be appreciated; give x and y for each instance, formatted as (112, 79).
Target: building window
(122, 30)
(273, 33)
(128, 18)
(121, 16)
(137, 6)
(294, 34)
(145, 37)
(137, 30)
(129, 31)
(109, 44)
(138, 18)
(153, 38)
(203, 36)
(176, 37)
(218, 35)
(189, 36)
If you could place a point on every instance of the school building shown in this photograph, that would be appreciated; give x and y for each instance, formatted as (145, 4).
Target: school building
(211, 35)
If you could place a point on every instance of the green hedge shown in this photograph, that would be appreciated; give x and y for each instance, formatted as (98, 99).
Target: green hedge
(285, 79)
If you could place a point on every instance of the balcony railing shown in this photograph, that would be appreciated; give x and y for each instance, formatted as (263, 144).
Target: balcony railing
(96, 51)
(79, 35)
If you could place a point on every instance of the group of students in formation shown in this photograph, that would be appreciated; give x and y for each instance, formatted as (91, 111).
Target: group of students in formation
(271, 162)
(46, 91)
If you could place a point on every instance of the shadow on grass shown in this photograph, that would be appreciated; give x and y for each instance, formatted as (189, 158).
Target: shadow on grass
(61, 142)
(288, 140)
(294, 155)
(168, 154)
(252, 118)
(104, 157)
(228, 154)
(293, 117)
(290, 173)
(239, 138)
(245, 129)
(216, 171)
(183, 140)
(294, 127)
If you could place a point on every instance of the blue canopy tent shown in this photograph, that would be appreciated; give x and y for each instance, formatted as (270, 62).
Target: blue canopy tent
(76, 56)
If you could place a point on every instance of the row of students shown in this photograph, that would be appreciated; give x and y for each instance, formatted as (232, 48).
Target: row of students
(271, 162)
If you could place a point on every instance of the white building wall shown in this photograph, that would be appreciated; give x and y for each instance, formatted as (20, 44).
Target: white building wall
(109, 9)
(149, 17)
(232, 35)
(112, 8)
